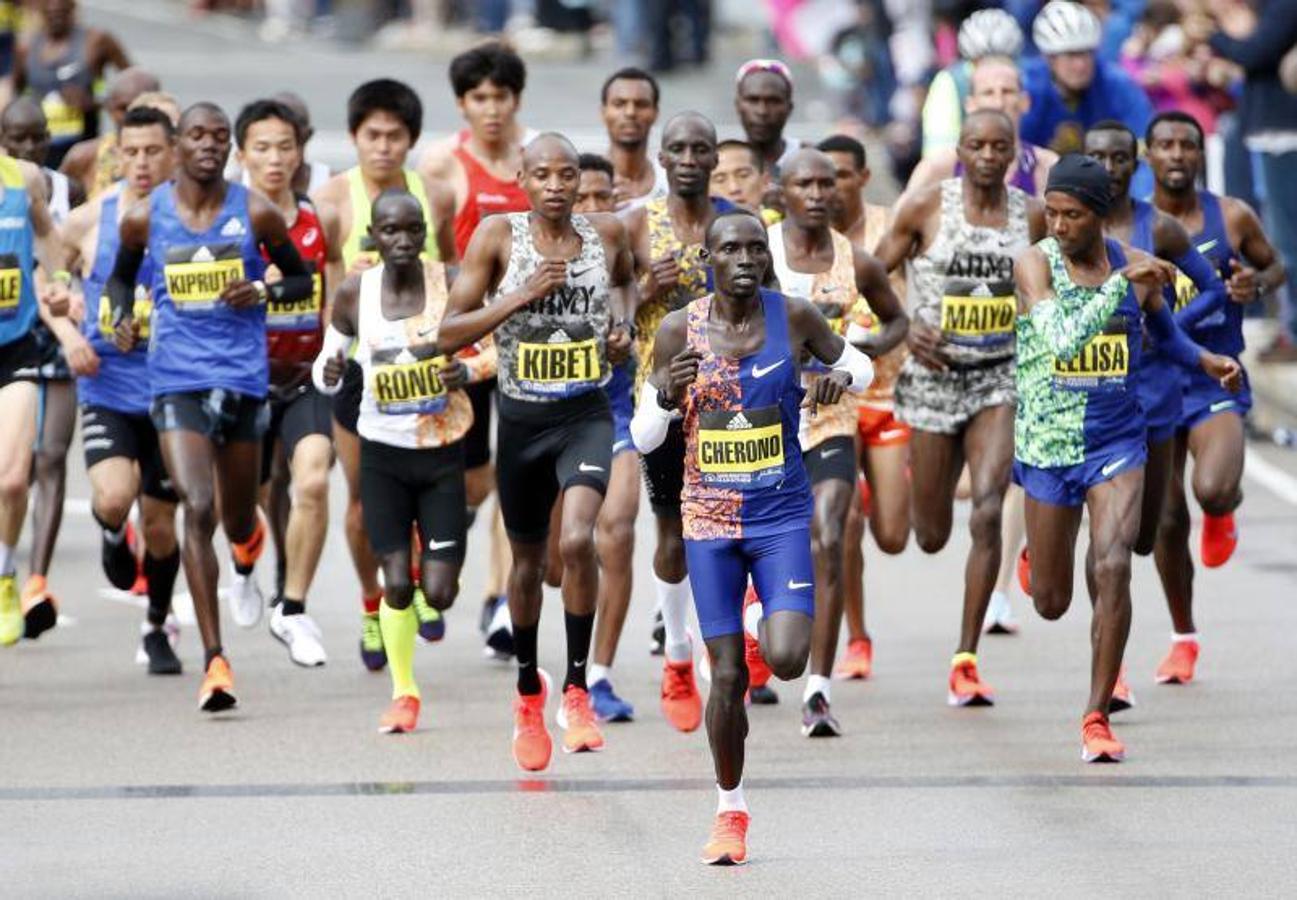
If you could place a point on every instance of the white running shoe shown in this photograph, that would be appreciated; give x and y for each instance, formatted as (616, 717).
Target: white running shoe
(246, 601)
(171, 627)
(300, 635)
(999, 615)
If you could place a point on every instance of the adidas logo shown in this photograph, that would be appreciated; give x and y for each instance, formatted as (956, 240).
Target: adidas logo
(232, 228)
(559, 337)
(739, 421)
(980, 291)
(202, 255)
(405, 356)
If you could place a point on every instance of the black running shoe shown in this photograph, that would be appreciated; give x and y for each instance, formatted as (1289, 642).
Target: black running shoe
(763, 696)
(658, 645)
(817, 721)
(118, 562)
(162, 659)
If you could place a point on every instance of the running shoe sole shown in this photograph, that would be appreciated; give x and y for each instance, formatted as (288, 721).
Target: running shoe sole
(217, 701)
(975, 700)
(1001, 628)
(724, 860)
(1087, 756)
(1115, 705)
(822, 728)
(39, 619)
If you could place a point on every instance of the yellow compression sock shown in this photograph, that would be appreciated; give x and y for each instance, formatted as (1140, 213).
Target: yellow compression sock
(399, 627)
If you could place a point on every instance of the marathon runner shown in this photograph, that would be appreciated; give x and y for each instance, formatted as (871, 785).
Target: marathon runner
(667, 237)
(561, 293)
(956, 390)
(298, 444)
(96, 162)
(123, 458)
(728, 362)
(385, 118)
(739, 176)
(24, 135)
(27, 236)
(1080, 431)
(628, 105)
(481, 164)
(1229, 234)
(851, 289)
(883, 442)
(413, 418)
(60, 66)
(763, 99)
(208, 373)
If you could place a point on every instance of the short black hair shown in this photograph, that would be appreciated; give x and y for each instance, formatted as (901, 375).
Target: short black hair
(593, 162)
(730, 214)
(845, 143)
(390, 195)
(389, 96)
(493, 61)
(736, 144)
(260, 111)
(144, 116)
(631, 73)
(1116, 125)
(1178, 116)
(201, 106)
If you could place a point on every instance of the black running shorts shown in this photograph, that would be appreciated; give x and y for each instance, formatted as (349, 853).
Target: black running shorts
(108, 434)
(401, 487)
(831, 458)
(292, 418)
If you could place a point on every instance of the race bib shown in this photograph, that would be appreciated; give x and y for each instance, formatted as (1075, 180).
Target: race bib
(978, 321)
(1102, 364)
(742, 449)
(63, 120)
(197, 274)
(142, 312)
(297, 315)
(404, 388)
(11, 285)
(559, 367)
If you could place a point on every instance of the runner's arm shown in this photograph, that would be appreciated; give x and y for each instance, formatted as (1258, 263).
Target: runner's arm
(904, 236)
(1065, 334)
(1173, 243)
(272, 233)
(829, 347)
(1256, 248)
(875, 287)
(442, 201)
(648, 427)
(339, 337)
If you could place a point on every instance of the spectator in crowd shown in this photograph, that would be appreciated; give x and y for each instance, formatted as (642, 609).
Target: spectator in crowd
(988, 32)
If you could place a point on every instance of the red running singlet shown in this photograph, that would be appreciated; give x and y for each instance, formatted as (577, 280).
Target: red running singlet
(487, 195)
(294, 328)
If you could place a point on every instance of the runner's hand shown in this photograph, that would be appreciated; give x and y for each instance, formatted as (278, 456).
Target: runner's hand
(126, 335)
(334, 366)
(1150, 271)
(925, 344)
(82, 358)
(1241, 285)
(240, 294)
(56, 298)
(664, 275)
(548, 277)
(453, 373)
(618, 344)
(826, 391)
(683, 372)
(1225, 370)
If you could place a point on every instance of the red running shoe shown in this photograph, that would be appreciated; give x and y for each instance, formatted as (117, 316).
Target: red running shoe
(1219, 538)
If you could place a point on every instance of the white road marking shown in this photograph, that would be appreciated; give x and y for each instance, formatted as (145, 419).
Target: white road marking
(1257, 468)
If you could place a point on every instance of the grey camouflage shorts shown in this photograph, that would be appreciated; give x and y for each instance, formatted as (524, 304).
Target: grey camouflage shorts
(945, 402)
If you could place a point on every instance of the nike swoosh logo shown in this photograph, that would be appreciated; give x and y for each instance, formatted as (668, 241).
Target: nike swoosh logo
(586, 467)
(1209, 245)
(829, 452)
(798, 585)
(578, 273)
(1113, 466)
(578, 663)
(1221, 404)
(426, 331)
(761, 372)
(434, 544)
(890, 433)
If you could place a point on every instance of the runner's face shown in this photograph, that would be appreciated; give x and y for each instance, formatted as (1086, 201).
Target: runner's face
(997, 86)
(27, 139)
(736, 178)
(59, 16)
(1117, 151)
(1076, 227)
(489, 110)
(382, 144)
(764, 103)
(594, 194)
(809, 192)
(399, 230)
(739, 256)
(551, 178)
(204, 145)
(270, 155)
(147, 157)
(689, 157)
(1073, 72)
(848, 183)
(986, 150)
(629, 113)
(1175, 155)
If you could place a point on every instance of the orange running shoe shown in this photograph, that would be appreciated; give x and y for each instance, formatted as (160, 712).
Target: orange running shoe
(1219, 538)
(1024, 571)
(1177, 666)
(580, 727)
(40, 609)
(966, 686)
(857, 662)
(728, 844)
(532, 746)
(217, 692)
(401, 717)
(1123, 697)
(1097, 741)
(682, 705)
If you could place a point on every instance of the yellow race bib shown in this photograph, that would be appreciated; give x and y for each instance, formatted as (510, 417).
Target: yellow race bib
(559, 368)
(11, 285)
(142, 312)
(1102, 365)
(197, 275)
(408, 387)
(742, 449)
(297, 315)
(64, 120)
(978, 321)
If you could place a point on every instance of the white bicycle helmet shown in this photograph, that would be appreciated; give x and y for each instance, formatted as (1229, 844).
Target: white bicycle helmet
(1066, 27)
(989, 32)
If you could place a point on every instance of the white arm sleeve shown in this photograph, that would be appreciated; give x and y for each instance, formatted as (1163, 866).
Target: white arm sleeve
(334, 341)
(648, 427)
(857, 365)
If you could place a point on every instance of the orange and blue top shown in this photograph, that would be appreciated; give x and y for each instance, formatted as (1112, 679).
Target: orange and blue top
(743, 463)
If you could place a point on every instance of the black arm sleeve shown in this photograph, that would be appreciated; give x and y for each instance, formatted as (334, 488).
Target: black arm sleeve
(297, 282)
(121, 284)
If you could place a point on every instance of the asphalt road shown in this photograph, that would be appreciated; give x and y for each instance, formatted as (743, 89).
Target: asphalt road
(114, 784)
